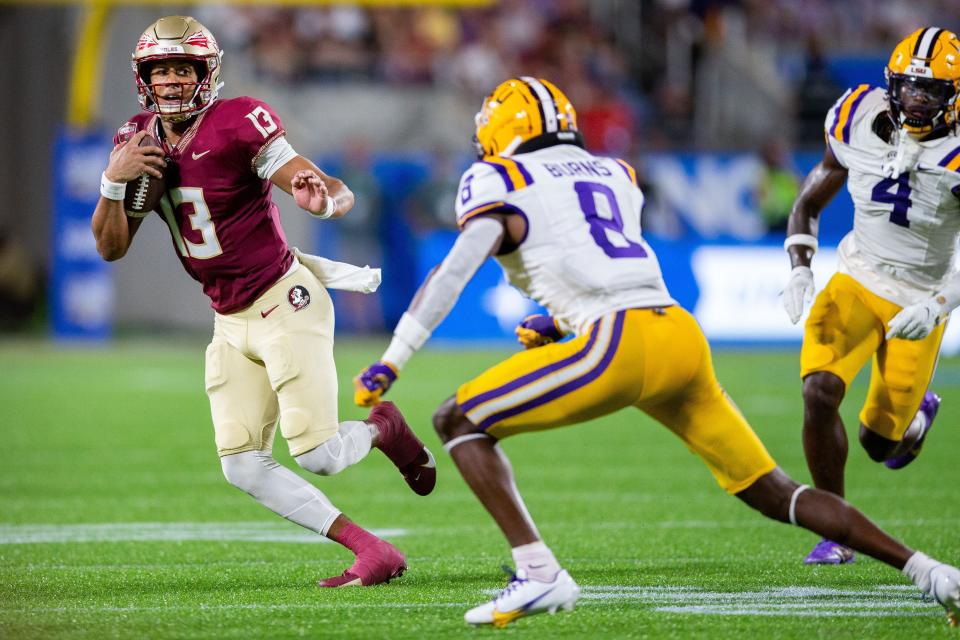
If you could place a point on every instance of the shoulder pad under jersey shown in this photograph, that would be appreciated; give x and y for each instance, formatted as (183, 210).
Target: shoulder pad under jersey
(854, 113)
(248, 123)
(487, 185)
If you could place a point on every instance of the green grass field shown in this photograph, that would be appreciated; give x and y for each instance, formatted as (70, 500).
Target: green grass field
(115, 521)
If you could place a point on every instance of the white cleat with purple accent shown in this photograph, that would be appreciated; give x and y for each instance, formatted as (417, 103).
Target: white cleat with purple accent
(524, 597)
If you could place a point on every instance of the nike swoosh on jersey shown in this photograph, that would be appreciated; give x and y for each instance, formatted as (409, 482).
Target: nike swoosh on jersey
(197, 156)
(264, 314)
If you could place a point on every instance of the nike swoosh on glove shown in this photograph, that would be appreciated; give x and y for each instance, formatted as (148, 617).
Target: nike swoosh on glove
(373, 382)
(798, 292)
(538, 330)
(916, 321)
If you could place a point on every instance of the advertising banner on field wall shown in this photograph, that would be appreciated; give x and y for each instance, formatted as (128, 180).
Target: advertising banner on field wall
(81, 287)
(733, 290)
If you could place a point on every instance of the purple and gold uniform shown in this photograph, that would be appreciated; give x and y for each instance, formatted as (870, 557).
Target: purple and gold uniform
(900, 251)
(584, 259)
(272, 348)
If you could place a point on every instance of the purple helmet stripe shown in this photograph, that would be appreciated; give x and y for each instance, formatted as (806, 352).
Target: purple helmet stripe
(533, 376)
(569, 387)
(503, 174)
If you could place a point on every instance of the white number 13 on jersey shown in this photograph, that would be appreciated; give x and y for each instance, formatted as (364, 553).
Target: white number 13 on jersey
(263, 121)
(200, 220)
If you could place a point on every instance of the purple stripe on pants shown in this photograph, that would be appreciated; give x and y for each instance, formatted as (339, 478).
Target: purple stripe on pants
(569, 387)
(532, 376)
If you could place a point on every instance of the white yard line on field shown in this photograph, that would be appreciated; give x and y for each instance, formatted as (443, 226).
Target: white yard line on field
(879, 601)
(167, 532)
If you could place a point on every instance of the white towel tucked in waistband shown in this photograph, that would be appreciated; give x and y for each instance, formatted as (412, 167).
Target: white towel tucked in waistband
(340, 275)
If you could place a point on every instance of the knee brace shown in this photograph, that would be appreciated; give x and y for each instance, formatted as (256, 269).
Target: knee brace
(279, 489)
(348, 446)
(248, 471)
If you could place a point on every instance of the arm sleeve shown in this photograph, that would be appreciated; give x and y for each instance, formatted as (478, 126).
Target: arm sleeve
(276, 154)
(442, 289)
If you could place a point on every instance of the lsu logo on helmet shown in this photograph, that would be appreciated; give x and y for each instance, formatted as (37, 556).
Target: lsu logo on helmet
(178, 38)
(518, 110)
(923, 80)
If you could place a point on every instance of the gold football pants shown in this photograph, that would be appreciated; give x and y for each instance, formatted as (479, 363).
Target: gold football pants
(846, 327)
(656, 360)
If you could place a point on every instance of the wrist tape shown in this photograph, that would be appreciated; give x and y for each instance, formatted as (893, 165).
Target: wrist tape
(111, 190)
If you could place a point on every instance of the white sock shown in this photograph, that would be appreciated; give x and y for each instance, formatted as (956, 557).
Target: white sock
(280, 489)
(918, 569)
(916, 427)
(537, 561)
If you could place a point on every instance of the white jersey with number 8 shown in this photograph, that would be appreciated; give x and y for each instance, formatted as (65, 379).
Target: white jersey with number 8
(905, 228)
(582, 256)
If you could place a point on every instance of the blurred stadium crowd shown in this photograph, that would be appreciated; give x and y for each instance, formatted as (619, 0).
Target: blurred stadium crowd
(657, 73)
(647, 77)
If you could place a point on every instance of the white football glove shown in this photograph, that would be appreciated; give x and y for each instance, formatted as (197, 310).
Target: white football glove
(798, 292)
(916, 321)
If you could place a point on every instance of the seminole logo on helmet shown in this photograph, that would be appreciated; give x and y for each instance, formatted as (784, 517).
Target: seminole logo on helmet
(178, 38)
(521, 109)
(923, 80)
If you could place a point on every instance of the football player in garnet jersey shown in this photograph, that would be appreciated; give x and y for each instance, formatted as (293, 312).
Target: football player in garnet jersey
(899, 153)
(271, 357)
(565, 227)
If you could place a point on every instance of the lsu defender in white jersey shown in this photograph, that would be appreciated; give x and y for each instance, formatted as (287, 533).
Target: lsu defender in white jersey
(899, 153)
(903, 241)
(582, 255)
(565, 227)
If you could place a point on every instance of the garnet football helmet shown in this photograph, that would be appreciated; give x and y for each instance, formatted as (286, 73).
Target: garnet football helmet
(923, 80)
(518, 110)
(178, 38)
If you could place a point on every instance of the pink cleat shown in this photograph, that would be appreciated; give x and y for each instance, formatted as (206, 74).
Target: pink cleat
(378, 563)
(399, 443)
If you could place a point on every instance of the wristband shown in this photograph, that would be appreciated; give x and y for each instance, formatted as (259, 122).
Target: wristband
(804, 239)
(329, 208)
(397, 354)
(111, 190)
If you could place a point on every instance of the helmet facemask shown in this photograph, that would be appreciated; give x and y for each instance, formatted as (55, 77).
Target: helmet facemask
(921, 105)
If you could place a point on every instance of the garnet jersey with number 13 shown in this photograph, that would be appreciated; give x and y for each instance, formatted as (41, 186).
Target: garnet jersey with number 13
(224, 226)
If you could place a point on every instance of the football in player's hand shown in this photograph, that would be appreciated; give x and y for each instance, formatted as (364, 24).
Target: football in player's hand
(143, 194)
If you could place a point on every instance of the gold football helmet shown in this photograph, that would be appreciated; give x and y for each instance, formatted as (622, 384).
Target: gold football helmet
(178, 38)
(923, 80)
(521, 109)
